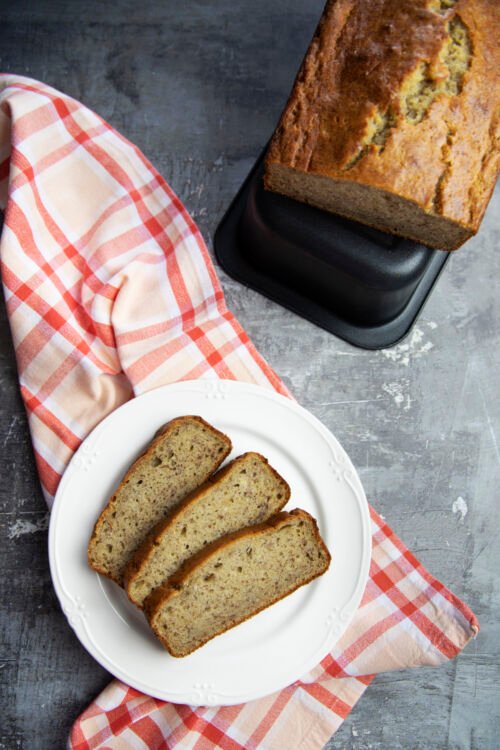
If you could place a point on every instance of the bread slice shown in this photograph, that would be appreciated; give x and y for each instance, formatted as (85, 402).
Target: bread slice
(246, 492)
(234, 579)
(183, 454)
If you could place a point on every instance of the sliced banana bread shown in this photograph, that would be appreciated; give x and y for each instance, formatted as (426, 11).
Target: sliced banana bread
(246, 492)
(234, 579)
(183, 454)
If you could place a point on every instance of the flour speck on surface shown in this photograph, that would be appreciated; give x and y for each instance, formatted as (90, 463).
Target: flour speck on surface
(460, 506)
(399, 392)
(21, 527)
(412, 348)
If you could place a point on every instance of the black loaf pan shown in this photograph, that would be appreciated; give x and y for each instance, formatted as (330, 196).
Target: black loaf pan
(365, 286)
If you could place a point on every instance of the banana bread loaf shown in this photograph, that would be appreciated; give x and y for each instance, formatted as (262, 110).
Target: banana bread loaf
(234, 579)
(184, 453)
(247, 491)
(393, 120)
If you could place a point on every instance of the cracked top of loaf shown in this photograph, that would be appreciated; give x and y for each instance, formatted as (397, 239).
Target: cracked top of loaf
(400, 95)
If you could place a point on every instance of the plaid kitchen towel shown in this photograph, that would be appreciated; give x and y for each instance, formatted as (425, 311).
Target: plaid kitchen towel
(110, 292)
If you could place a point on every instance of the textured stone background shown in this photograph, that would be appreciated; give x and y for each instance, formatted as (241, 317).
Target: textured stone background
(198, 86)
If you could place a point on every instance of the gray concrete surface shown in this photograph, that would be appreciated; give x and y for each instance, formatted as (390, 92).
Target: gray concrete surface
(198, 86)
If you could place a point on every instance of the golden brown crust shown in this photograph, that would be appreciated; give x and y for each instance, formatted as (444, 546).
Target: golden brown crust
(170, 588)
(360, 60)
(146, 549)
(143, 458)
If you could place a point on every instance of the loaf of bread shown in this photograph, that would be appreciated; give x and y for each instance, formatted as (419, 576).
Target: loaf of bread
(184, 453)
(393, 120)
(247, 491)
(234, 579)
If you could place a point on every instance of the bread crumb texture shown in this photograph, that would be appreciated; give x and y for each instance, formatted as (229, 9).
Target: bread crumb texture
(180, 458)
(235, 579)
(393, 118)
(247, 491)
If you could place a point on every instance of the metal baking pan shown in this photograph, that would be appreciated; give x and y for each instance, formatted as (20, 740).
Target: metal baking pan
(365, 286)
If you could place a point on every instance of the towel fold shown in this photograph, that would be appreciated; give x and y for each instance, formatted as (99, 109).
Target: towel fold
(110, 292)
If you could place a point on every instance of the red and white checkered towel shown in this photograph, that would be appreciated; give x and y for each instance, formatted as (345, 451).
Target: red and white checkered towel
(110, 292)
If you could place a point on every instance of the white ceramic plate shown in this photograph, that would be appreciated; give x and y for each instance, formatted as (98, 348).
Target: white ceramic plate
(272, 649)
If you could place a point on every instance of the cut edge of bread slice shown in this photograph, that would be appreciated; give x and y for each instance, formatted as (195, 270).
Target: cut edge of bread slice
(258, 506)
(158, 601)
(160, 439)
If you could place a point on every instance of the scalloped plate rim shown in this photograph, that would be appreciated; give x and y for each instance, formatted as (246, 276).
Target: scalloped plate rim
(204, 692)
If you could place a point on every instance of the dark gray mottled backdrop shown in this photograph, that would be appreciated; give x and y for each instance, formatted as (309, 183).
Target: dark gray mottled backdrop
(198, 86)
